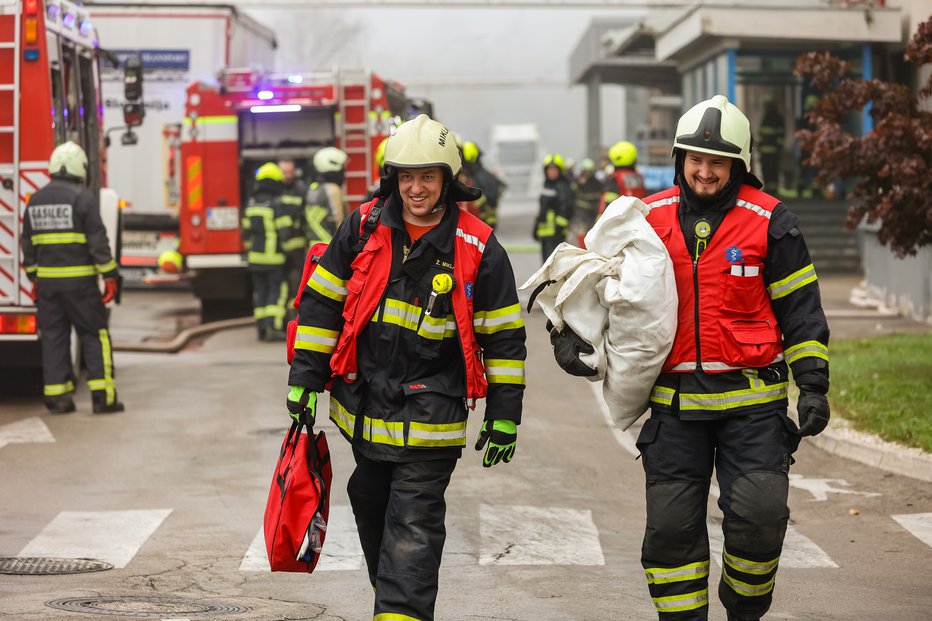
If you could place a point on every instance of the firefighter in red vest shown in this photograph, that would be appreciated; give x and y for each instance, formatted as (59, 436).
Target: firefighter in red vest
(414, 322)
(625, 180)
(749, 311)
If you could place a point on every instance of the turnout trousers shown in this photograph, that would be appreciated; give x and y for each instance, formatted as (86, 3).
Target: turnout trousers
(82, 308)
(400, 511)
(269, 296)
(751, 455)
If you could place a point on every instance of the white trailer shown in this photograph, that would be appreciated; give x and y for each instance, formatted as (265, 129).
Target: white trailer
(178, 44)
(516, 151)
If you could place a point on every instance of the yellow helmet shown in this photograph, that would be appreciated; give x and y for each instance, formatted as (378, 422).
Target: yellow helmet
(556, 159)
(70, 159)
(421, 143)
(715, 126)
(380, 153)
(271, 171)
(470, 151)
(622, 154)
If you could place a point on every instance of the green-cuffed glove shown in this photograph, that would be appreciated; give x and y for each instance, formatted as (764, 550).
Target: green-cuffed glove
(502, 438)
(302, 401)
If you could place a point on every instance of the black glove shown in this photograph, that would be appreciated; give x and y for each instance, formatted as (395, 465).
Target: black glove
(566, 349)
(812, 408)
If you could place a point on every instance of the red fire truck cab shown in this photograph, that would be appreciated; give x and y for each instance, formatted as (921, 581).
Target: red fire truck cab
(250, 118)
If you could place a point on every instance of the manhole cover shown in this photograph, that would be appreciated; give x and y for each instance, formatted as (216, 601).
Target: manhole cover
(132, 606)
(42, 566)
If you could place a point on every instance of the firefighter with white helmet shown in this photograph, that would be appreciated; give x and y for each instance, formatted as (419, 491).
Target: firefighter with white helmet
(413, 315)
(749, 312)
(325, 205)
(65, 251)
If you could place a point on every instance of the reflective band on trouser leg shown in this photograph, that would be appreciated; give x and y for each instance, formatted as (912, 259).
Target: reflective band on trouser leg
(278, 310)
(105, 384)
(393, 616)
(56, 390)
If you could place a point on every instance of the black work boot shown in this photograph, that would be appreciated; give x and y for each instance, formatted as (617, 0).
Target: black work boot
(62, 404)
(732, 617)
(99, 401)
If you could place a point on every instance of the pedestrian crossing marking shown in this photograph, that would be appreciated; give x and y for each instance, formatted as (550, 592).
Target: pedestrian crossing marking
(110, 536)
(524, 535)
(919, 526)
(821, 488)
(25, 431)
(341, 549)
(799, 552)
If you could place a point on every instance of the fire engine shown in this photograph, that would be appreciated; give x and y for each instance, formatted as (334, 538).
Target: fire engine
(251, 118)
(49, 93)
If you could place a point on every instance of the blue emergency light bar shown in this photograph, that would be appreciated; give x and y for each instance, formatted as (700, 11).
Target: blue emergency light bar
(265, 95)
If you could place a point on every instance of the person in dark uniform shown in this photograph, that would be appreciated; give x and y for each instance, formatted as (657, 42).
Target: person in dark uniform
(413, 315)
(65, 251)
(749, 312)
(556, 206)
(267, 227)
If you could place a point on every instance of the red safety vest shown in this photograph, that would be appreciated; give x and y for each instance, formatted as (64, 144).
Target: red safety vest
(370, 277)
(736, 325)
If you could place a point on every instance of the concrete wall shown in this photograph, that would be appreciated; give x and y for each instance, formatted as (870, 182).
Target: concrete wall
(903, 284)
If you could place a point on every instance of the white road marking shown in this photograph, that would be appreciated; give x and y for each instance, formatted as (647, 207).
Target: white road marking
(25, 431)
(341, 546)
(110, 536)
(821, 488)
(522, 535)
(918, 524)
(799, 552)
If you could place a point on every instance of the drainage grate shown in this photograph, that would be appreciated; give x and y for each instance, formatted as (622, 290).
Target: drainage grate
(42, 566)
(132, 606)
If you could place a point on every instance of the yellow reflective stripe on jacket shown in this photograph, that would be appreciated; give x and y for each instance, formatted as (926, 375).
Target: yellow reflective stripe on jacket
(341, 417)
(328, 285)
(437, 328)
(72, 271)
(43, 239)
(492, 321)
(315, 216)
(265, 258)
(284, 222)
(791, 283)
(503, 371)
(678, 603)
(562, 221)
(31, 269)
(662, 395)
(401, 314)
(106, 267)
(733, 398)
(54, 390)
(441, 434)
(663, 575)
(745, 589)
(547, 228)
(259, 211)
(295, 243)
(381, 431)
(316, 339)
(750, 567)
(806, 349)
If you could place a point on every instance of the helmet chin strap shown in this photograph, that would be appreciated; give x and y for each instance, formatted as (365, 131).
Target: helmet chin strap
(442, 201)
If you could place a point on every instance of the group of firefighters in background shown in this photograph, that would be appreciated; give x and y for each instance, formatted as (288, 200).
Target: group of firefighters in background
(570, 203)
(286, 215)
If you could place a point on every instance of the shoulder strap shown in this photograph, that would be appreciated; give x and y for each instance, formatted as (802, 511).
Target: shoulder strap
(367, 227)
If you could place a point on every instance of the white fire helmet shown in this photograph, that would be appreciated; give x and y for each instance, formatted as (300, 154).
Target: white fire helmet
(715, 126)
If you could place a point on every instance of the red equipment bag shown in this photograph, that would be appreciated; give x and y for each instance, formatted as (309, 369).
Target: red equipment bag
(298, 507)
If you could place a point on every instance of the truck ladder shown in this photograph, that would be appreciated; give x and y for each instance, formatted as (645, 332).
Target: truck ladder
(355, 131)
(10, 53)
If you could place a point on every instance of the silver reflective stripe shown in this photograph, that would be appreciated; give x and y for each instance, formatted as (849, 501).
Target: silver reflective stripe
(662, 202)
(316, 339)
(750, 567)
(470, 239)
(807, 349)
(504, 371)
(401, 314)
(341, 417)
(796, 280)
(445, 434)
(328, 285)
(733, 399)
(381, 431)
(755, 208)
(690, 365)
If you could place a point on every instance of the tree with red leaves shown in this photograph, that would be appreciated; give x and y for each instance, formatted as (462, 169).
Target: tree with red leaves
(892, 164)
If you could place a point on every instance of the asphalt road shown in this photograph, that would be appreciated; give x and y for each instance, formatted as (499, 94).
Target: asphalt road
(171, 492)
